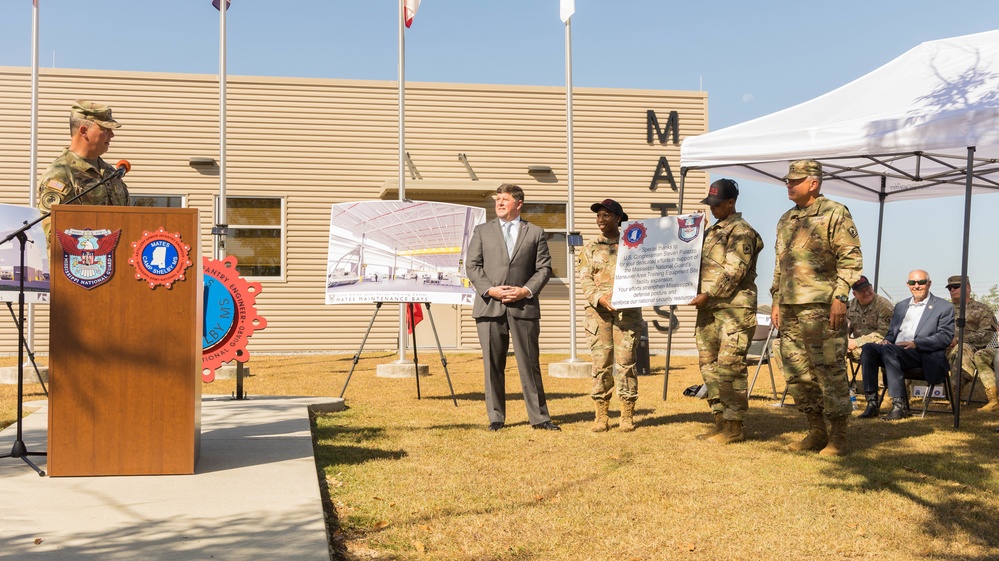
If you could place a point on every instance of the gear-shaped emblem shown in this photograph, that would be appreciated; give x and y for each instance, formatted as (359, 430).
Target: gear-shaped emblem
(230, 315)
(634, 235)
(160, 258)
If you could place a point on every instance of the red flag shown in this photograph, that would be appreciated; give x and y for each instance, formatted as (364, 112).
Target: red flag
(417, 314)
(409, 12)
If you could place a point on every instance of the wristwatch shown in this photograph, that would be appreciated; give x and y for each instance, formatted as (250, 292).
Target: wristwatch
(843, 299)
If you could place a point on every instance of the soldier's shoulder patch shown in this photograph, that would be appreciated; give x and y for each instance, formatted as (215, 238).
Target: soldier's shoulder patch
(747, 249)
(853, 231)
(56, 185)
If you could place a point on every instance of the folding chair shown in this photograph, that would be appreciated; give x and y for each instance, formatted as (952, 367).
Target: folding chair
(916, 374)
(760, 346)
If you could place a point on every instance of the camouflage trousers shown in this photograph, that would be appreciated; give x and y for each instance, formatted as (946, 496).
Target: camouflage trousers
(723, 336)
(970, 360)
(813, 360)
(613, 338)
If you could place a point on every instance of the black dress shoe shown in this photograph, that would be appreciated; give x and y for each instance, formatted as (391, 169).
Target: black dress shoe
(898, 411)
(547, 425)
(495, 426)
(873, 408)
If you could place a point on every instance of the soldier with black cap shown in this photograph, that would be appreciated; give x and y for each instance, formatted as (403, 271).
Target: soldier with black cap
(80, 166)
(979, 330)
(726, 311)
(818, 260)
(613, 334)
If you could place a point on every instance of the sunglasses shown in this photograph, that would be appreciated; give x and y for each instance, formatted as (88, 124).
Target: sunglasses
(920, 282)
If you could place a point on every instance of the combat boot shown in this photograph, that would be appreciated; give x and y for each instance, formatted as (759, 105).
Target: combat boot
(600, 424)
(993, 404)
(873, 406)
(817, 437)
(733, 433)
(627, 412)
(718, 427)
(837, 438)
(899, 409)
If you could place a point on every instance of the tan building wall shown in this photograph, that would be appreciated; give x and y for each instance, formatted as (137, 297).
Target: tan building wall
(316, 142)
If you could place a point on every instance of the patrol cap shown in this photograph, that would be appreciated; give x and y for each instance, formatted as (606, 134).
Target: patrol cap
(800, 169)
(721, 191)
(611, 205)
(90, 111)
(861, 284)
(954, 281)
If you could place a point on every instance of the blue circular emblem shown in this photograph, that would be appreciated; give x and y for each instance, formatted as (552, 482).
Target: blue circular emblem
(220, 313)
(160, 257)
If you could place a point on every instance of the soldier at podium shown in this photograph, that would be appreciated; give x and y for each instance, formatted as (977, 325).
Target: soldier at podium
(80, 166)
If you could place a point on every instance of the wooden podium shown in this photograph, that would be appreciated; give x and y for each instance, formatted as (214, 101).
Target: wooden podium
(124, 358)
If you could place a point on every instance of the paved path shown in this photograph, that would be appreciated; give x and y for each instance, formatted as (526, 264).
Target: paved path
(254, 495)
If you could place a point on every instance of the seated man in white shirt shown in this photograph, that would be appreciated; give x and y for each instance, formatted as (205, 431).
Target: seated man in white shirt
(921, 329)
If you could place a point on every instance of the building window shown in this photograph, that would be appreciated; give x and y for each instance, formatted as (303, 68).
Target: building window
(256, 235)
(158, 201)
(551, 217)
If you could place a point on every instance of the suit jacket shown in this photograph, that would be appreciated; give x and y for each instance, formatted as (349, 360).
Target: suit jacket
(933, 335)
(489, 265)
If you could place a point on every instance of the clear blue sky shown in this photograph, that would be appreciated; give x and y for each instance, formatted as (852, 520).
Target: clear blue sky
(753, 58)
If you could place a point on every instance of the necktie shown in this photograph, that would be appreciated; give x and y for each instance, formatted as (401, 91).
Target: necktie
(508, 237)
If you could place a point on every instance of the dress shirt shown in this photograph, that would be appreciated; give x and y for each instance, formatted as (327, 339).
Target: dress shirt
(907, 331)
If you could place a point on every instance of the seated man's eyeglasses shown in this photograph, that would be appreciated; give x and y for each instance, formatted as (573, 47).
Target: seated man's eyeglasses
(920, 282)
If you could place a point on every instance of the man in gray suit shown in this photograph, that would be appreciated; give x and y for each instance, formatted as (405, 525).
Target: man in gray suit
(509, 264)
(921, 329)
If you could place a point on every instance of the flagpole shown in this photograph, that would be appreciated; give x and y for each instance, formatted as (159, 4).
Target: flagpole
(570, 206)
(33, 159)
(221, 223)
(402, 155)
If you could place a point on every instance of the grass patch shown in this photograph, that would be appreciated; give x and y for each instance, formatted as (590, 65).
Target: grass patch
(412, 479)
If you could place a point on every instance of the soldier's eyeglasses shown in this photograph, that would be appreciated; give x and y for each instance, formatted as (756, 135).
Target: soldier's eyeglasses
(920, 282)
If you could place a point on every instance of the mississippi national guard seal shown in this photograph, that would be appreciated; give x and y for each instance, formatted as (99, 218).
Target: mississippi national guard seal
(689, 227)
(160, 258)
(88, 255)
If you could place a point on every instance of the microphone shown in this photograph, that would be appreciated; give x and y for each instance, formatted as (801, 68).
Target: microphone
(122, 167)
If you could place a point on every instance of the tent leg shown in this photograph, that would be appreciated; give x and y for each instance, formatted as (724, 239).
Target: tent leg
(881, 223)
(969, 174)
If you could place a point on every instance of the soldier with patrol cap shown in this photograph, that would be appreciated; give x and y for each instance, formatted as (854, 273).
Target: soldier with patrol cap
(818, 260)
(80, 166)
(613, 334)
(726, 311)
(979, 331)
(868, 316)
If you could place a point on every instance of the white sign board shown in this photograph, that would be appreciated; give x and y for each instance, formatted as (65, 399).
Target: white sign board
(36, 256)
(400, 251)
(658, 261)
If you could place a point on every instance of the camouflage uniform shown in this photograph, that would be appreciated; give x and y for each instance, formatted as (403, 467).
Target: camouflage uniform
(725, 324)
(70, 174)
(868, 324)
(818, 259)
(979, 331)
(613, 335)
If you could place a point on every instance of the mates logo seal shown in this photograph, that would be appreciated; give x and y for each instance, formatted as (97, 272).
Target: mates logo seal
(230, 315)
(160, 258)
(634, 235)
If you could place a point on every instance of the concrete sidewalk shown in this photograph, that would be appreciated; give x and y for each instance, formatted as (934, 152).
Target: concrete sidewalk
(254, 494)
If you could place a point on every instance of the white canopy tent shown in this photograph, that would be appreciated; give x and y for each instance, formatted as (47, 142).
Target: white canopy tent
(924, 125)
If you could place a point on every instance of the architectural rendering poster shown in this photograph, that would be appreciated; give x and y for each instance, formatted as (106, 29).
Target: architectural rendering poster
(36, 256)
(658, 261)
(400, 251)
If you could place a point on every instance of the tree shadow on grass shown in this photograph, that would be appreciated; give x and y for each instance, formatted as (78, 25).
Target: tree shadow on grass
(959, 470)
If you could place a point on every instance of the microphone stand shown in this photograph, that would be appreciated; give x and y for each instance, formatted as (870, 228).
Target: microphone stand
(19, 450)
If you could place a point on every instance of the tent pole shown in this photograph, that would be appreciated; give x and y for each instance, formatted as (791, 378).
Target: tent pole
(969, 175)
(881, 223)
(672, 309)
